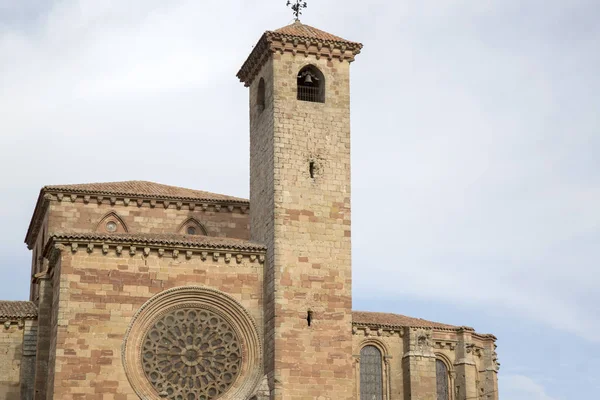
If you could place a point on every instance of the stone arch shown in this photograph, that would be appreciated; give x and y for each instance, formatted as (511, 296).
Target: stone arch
(310, 84)
(377, 343)
(192, 223)
(193, 299)
(111, 223)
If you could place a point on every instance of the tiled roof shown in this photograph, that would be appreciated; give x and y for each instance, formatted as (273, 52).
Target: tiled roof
(17, 309)
(166, 239)
(142, 188)
(389, 319)
(298, 29)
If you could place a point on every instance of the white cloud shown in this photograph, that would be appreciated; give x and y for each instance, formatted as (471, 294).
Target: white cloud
(521, 387)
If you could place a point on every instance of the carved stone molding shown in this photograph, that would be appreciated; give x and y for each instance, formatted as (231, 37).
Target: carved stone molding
(375, 331)
(444, 344)
(113, 245)
(224, 323)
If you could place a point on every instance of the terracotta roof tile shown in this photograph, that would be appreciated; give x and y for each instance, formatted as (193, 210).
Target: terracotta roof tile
(389, 319)
(166, 239)
(17, 309)
(142, 188)
(298, 29)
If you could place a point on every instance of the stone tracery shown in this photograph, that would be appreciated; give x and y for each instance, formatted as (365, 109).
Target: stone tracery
(191, 354)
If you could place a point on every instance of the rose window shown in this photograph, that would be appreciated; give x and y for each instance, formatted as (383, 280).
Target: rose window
(191, 354)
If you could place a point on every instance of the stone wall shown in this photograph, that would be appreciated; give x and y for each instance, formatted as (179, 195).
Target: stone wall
(11, 352)
(309, 233)
(149, 217)
(99, 294)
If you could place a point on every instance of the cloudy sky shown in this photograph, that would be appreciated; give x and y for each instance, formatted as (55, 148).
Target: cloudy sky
(476, 143)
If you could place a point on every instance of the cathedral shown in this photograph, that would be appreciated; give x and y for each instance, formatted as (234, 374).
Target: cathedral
(141, 290)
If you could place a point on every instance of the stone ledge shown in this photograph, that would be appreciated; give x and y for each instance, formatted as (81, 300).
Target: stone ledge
(174, 246)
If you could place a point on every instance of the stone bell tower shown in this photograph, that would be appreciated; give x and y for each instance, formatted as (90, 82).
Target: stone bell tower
(300, 207)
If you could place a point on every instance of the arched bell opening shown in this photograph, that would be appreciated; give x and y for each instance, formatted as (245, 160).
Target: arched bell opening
(311, 85)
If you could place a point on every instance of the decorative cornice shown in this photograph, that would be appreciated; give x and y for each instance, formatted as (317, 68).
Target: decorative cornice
(276, 42)
(126, 200)
(372, 330)
(213, 249)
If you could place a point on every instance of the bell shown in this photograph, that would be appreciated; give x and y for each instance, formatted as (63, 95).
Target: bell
(308, 79)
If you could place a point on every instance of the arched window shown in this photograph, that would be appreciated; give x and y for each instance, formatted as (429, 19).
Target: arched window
(311, 84)
(371, 374)
(111, 223)
(260, 95)
(441, 378)
(192, 226)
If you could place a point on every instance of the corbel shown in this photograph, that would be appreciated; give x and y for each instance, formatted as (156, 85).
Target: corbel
(188, 254)
(126, 201)
(238, 258)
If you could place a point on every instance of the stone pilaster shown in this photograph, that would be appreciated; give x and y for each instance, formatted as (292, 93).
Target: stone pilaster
(489, 373)
(466, 369)
(27, 372)
(419, 365)
(43, 336)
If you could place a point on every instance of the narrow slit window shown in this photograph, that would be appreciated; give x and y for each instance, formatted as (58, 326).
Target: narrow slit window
(260, 95)
(311, 169)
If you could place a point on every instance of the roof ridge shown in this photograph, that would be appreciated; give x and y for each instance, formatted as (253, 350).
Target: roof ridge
(394, 319)
(143, 188)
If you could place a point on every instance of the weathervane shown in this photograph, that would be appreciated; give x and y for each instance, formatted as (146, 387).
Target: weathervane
(296, 7)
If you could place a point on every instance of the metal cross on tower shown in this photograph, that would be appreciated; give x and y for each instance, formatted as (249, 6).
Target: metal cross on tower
(297, 7)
